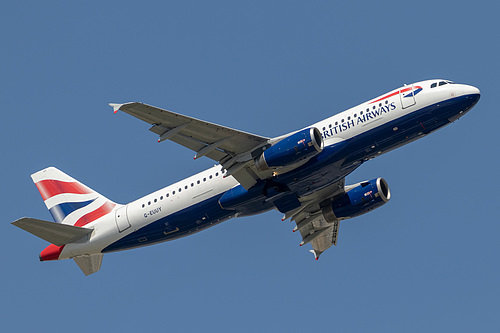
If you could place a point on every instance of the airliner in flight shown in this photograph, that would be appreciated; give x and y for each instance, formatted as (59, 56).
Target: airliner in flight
(300, 174)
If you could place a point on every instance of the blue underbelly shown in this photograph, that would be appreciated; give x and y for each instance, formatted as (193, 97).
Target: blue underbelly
(179, 224)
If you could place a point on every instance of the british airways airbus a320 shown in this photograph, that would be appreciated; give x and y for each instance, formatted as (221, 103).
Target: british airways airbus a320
(301, 174)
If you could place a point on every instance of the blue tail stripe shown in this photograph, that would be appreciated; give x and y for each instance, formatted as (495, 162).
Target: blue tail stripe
(59, 212)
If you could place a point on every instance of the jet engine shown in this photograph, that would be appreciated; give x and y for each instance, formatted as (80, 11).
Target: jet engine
(292, 150)
(360, 199)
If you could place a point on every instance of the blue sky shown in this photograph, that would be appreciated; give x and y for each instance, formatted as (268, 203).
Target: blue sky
(426, 261)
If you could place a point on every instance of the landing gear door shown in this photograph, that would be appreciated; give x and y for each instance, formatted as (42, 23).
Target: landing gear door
(122, 219)
(407, 96)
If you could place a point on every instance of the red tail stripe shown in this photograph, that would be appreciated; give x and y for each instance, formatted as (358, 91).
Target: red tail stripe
(49, 188)
(51, 252)
(94, 215)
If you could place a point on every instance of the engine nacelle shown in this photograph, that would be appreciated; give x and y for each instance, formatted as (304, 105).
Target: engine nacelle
(294, 149)
(361, 199)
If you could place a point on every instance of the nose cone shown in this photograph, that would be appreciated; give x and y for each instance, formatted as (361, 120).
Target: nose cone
(471, 90)
(469, 96)
(472, 94)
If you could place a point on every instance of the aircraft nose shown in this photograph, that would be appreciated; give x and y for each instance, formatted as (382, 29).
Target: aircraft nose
(472, 94)
(471, 90)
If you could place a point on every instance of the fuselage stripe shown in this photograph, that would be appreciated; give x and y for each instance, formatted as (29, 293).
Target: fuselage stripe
(397, 93)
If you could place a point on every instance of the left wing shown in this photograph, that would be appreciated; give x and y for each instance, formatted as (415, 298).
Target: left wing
(233, 149)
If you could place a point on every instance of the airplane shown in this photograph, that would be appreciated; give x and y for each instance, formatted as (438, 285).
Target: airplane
(300, 174)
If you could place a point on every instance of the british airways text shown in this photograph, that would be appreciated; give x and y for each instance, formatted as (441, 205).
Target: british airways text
(360, 119)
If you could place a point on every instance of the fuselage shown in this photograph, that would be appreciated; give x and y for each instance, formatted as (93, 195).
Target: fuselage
(350, 138)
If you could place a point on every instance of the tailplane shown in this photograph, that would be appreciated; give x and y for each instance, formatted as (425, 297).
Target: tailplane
(55, 233)
(73, 207)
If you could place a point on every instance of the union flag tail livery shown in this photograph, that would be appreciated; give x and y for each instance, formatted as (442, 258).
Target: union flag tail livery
(68, 200)
(301, 174)
(73, 206)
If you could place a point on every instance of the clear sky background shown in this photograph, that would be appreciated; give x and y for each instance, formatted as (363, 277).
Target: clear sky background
(425, 262)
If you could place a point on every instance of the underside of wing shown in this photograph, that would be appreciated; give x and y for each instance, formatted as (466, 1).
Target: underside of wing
(233, 149)
(316, 221)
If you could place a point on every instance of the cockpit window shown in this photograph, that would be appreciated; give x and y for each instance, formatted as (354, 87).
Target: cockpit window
(441, 83)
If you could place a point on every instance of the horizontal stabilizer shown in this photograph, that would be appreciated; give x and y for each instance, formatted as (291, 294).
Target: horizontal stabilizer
(89, 263)
(55, 233)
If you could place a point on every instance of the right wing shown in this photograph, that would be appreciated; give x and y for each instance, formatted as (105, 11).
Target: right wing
(235, 150)
(316, 221)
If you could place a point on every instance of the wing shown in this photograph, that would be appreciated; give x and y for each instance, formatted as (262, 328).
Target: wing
(233, 149)
(316, 221)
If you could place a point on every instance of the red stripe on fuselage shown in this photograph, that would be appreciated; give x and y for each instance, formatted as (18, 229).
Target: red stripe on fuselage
(394, 94)
(94, 215)
(49, 188)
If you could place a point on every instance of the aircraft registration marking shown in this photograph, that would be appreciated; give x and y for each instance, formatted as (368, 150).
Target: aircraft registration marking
(152, 212)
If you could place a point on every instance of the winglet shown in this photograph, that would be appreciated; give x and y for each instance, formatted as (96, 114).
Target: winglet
(316, 255)
(115, 107)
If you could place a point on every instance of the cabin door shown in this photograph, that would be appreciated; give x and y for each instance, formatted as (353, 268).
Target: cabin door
(407, 96)
(122, 219)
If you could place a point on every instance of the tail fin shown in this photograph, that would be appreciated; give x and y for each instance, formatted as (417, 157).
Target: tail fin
(69, 201)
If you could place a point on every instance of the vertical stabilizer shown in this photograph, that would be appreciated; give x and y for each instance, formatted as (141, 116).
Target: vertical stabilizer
(69, 201)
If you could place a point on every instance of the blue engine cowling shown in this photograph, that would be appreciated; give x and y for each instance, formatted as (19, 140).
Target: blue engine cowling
(361, 199)
(296, 148)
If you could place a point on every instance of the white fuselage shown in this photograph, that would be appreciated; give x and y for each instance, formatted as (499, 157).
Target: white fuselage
(186, 195)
